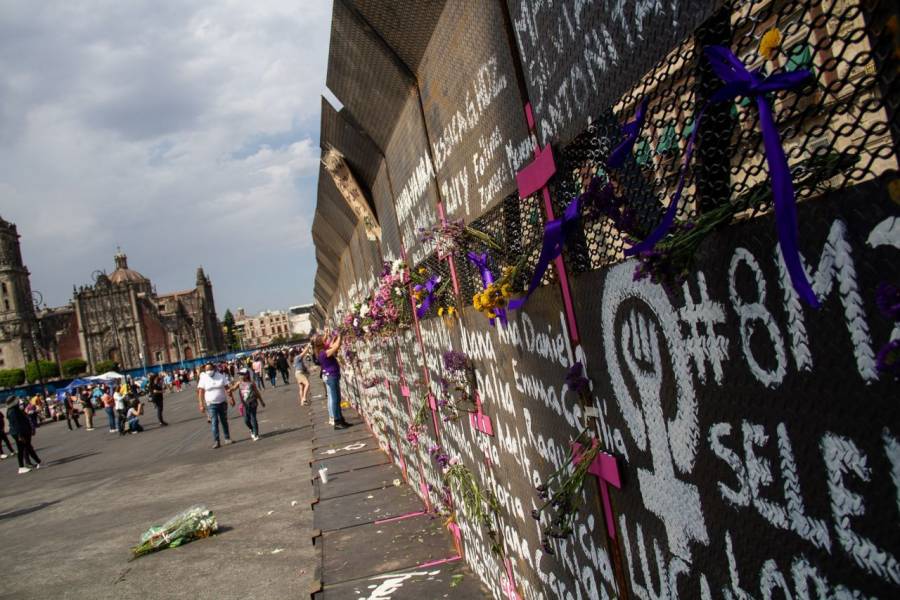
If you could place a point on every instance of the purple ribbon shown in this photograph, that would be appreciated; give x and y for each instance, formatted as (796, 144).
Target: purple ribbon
(558, 230)
(753, 84)
(429, 296)
(555, 234)
(487, 278)
(630, 131)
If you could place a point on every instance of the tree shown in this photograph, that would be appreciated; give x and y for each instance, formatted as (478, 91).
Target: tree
(11, 377)
(74, 367)
(48, 370)
(231, 340)
(105, 365)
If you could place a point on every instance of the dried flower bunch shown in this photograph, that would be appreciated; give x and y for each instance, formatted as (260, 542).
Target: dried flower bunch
(458, 387)
(481, 506)
(670, 262)
(450, 237)
(561, 491)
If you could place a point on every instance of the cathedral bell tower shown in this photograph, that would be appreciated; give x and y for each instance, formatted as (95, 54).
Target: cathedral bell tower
(16, 308)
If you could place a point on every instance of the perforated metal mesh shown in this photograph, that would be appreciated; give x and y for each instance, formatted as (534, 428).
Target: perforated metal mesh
(517, 226)
(835, 128)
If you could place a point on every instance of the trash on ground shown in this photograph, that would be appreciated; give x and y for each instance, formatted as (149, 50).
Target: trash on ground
(195, 523)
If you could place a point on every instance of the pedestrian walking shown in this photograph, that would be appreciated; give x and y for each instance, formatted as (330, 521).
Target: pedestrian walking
(109, 405)
(88, 409)
(301, 374)
(212, 394)
(3, 438)
(270, 369)
(21, 431)
(156, 397)
(250, 400)
(326, 351)
(71, 412)
(281, 362)
(258, 372)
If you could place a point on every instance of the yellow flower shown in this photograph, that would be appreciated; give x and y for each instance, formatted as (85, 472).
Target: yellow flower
(770, 42)
(451, 310)
(441, 311)
(422, 270)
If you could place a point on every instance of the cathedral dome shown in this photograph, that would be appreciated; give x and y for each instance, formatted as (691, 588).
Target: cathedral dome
(123, 274)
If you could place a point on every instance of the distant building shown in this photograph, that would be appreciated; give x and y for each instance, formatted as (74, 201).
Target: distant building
(262, 329)
(300, 319)
(119, 318)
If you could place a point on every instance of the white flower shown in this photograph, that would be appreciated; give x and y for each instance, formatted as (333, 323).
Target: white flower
(397, 266)
(363, 310)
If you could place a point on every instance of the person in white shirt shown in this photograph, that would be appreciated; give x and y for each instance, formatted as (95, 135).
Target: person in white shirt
(119, 399)
(212, 394)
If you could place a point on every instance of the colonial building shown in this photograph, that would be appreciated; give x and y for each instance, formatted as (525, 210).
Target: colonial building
(262, 329)
(299, 318)
(120, 317)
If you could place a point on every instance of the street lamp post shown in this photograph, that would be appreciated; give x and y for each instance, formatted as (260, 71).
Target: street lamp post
(37, 300)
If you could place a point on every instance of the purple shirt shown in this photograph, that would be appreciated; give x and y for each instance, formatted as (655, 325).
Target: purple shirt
(329, 365)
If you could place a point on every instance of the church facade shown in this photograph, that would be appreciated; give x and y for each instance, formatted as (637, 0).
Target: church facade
(120, 317)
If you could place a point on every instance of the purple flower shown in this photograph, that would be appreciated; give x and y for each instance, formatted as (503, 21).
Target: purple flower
(455, 361)
(888, 359)
(887, 298)
(575, 379)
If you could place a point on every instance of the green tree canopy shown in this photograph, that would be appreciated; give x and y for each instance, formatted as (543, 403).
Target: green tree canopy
(230, 334)
(74, 366)
(46, 369)
(11, 377)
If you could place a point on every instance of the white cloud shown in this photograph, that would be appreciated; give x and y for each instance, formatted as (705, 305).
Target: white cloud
(186, 132)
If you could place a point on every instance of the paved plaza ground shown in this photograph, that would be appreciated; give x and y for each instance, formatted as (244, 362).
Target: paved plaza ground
(66, 530)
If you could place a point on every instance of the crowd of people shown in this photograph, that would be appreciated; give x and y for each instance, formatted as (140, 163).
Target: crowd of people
(217, 383)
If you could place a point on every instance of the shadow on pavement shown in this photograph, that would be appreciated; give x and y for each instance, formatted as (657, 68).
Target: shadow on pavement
(68, 459)
(26, 511)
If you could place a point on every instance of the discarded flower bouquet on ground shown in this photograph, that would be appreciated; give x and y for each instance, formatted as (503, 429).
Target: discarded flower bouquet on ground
(195, 523)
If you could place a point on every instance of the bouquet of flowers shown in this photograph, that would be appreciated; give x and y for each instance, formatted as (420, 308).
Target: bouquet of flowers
(195, 523)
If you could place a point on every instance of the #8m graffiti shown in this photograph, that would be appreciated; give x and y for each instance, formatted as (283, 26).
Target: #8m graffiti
(760, 441)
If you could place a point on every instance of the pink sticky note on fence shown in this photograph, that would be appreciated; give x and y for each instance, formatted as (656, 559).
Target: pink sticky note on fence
(404, 391)
(509, 583)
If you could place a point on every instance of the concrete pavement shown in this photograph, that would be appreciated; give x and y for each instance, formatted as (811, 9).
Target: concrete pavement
(66, 529)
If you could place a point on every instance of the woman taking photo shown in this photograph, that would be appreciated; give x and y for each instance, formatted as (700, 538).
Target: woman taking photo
(326, 351)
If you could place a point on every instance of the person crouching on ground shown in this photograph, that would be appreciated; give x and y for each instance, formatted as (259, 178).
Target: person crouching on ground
(250, 399)
(20, 430)
(134, 416)
(212, 393)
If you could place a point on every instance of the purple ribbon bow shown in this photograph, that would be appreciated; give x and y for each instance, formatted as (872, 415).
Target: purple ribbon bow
(555, 234)
(487, 278)
(753, 84)
(429, 296)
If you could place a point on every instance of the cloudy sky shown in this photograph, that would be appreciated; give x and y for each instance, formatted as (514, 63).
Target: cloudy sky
(184, 131)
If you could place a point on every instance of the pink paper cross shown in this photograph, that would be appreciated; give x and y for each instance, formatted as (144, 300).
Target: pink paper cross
(480, 421)
(606, 470)
(531, 179)
(509, 584)
(450, 260)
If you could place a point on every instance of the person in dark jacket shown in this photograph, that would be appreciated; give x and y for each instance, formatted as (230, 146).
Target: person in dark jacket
(20, 430)
(281, 362)
(3, 438)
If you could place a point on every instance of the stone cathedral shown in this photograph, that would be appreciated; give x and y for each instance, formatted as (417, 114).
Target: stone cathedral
(120, 317)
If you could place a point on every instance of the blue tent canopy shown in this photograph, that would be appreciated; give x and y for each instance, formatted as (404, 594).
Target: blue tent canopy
(75, 383)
